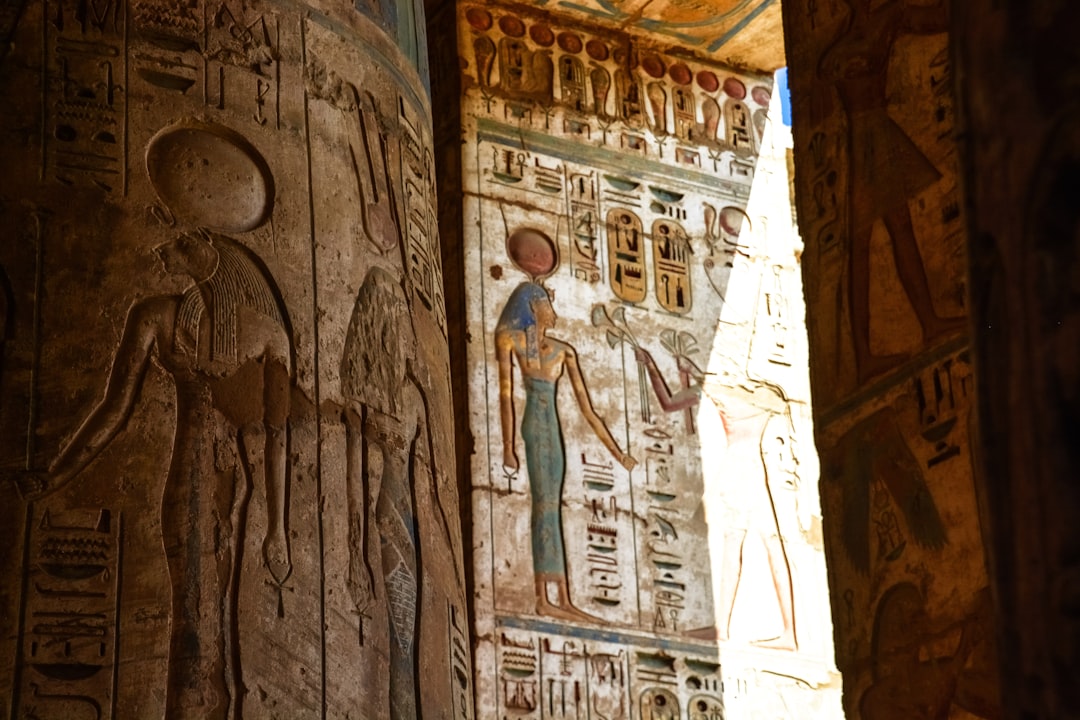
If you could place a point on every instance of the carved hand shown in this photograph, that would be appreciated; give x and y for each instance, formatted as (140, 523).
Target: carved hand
(33, 484)
(276, 555)
(628, 461)
(510, 460)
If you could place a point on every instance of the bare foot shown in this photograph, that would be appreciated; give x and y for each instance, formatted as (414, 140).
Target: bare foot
(568, 612)
(784, 642)
(704, 633)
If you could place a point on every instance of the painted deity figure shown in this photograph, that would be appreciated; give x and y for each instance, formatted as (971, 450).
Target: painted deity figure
(388, 442)
(886, 169)
(226, 344)
(758, 456)
(521, 336)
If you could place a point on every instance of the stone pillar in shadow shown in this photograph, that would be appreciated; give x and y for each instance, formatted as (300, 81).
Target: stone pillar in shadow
(880, 210)
(227, 478)
(1021, 174)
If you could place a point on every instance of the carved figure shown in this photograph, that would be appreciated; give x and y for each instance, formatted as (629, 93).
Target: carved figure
(915, 676)
(387, 443)
(227, 344)
(521, 335)
(886, 169)
(874, 452)
(759, 455)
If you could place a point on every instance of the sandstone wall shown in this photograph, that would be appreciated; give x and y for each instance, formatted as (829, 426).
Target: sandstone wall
(635, 401)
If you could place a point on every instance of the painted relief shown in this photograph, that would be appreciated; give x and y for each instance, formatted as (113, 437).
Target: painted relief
(521, 337)
(386, 437)
(878, 205)
(671, 266)
(626, 255)
(609, 88)
(224, 348)
(886, 169)
(898, 478)
(864, 126)
(667, 515)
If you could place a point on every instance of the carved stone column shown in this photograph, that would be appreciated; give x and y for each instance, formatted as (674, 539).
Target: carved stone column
(1022, 171)
(228, 485)
(876, 175)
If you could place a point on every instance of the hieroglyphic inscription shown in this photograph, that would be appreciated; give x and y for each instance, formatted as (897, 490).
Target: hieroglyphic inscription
(608, 685)
(626, 255)
(584, 227)
(85, 97)
(519, 676)
(220, 51)
(68, 639)
(460, 673)
(671, 266)
(602, 532)
(660, 704)
(941, 393)
(423, 260)
(705, 682)
(563, 688)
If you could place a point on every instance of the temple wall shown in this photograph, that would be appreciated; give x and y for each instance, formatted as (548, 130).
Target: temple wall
(636, 407)
(225, 384)
(881, 213)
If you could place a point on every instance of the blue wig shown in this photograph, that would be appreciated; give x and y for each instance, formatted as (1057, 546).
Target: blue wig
(518, 313)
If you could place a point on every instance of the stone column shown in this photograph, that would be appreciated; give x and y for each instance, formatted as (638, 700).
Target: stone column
(228, 482)
(876, 176)
(1021, 173)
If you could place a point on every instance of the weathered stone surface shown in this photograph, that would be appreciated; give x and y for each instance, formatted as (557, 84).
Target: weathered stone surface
(224, 371)
(612, 265)
(880, 211)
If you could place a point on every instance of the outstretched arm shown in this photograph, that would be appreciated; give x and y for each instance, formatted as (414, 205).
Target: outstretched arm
(685, 398)
(276, 389)
(503, 347)
(577, 382)
(144, 325)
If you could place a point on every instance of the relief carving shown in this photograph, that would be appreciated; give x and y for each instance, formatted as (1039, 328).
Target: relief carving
(876, 470)
(389, 452)
(521, 338)
(923, 667)
(887, 170)
(226, 343)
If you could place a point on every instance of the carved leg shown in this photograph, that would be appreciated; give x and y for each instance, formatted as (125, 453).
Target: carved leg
(730, 573)
(360, 580)
(197, 686)
(395, 517)
(781, 575)
(909, 266)
(562, 608)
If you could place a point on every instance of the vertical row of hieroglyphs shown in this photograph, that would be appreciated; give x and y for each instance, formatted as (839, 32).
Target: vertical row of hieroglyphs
(645, 541)
(880, 212)
(227, 481)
